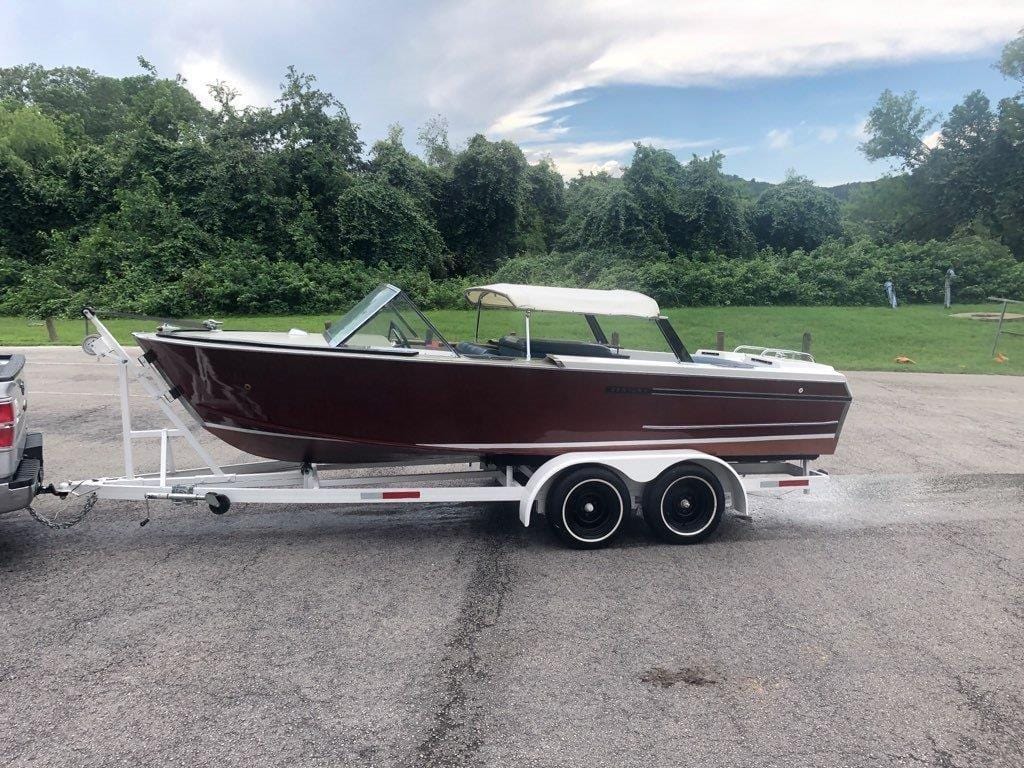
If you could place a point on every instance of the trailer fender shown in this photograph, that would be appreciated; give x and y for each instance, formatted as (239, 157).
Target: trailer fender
(637, 468)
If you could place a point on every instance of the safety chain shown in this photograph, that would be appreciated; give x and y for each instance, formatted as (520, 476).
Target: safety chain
(90, 502)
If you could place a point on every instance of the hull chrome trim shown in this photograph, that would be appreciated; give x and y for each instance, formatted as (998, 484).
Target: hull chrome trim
(670, 428)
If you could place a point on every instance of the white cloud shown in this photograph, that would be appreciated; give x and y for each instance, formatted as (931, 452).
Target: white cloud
(203, 69)
(525, 59)
(571, 158)
(827, 134)
(859, 130)
(933, 139)
(778, 138)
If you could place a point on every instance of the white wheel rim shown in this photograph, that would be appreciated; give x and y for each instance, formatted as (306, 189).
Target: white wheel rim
(618, 522)
(711, 518)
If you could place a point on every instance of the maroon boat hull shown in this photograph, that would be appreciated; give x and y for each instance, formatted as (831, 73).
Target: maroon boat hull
(280, 403)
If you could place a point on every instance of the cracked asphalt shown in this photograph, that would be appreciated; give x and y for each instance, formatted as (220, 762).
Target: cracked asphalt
(879, 622)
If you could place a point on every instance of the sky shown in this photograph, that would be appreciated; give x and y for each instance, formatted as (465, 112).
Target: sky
(776, 85)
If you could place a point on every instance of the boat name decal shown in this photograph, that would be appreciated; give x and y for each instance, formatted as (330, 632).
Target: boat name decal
(629, 390)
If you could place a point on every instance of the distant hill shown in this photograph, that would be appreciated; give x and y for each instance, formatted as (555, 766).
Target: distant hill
(751, 189)
(844, 191)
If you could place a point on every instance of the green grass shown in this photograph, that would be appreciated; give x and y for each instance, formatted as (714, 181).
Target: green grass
(850, 338)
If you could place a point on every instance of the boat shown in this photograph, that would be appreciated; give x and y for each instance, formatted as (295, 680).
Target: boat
(383, 385)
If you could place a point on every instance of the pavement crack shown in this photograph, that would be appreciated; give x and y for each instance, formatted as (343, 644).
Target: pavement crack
(454, 735)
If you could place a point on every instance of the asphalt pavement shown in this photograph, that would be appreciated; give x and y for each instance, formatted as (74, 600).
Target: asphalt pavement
(879, 622)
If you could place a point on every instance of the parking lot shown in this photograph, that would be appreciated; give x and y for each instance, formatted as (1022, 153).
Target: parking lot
(880, 622)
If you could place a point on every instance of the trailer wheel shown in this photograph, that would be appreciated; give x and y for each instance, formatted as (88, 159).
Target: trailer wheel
(586, 507)
(684, 504)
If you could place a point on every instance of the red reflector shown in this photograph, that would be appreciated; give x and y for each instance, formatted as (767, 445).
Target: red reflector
(793, 483)
(6, 437)
(7, 413)
(400, 495)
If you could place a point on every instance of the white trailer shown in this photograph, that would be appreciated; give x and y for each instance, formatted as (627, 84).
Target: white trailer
(585, 496)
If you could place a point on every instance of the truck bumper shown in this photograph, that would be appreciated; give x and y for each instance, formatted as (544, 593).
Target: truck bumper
(17, 491)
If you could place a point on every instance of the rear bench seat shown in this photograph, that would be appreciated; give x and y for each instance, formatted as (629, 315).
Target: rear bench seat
(514, 346)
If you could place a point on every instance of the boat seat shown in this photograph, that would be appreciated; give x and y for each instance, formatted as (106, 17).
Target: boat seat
(469, 349)
(514, 346)
(722, 362)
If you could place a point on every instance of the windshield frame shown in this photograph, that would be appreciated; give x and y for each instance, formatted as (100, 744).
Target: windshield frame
(371, 305)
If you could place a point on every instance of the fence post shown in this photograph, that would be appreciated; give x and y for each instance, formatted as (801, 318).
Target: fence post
(51, 329)
(720, 341)
(805, 345)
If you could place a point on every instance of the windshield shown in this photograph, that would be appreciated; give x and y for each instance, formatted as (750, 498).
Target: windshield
(386, 317)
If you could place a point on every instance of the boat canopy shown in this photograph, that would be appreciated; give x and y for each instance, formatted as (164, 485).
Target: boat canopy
(579, 301)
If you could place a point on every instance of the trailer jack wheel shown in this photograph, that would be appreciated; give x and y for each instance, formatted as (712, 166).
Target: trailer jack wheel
(218, 502)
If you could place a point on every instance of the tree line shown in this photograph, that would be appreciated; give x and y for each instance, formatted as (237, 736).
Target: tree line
(127, 193)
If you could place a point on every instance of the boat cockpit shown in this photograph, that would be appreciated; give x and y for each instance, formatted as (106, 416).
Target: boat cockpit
(387, 318)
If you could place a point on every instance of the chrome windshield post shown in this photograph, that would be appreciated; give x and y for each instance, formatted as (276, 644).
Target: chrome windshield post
(527, 315)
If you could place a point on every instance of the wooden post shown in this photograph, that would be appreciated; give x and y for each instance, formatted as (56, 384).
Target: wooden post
(720, 341)
(51, 329)
(806, 343)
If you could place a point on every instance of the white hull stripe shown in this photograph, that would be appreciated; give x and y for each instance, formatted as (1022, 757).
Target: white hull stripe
(614, 443)
(745, 426)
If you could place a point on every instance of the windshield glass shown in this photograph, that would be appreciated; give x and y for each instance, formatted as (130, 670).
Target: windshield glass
(385, 318)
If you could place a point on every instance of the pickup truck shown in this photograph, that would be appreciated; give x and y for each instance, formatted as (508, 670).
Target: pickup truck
(21, 451)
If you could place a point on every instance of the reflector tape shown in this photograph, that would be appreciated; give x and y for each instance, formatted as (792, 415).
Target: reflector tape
(381, 495)
(801, 483)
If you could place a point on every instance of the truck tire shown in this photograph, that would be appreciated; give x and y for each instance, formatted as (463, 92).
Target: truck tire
(587, 507)
(684, 504)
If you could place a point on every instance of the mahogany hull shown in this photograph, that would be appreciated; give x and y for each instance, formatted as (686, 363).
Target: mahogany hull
(352, 408)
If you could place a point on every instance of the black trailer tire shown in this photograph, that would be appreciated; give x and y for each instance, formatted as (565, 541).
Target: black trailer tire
(684, 504)
(587, 507)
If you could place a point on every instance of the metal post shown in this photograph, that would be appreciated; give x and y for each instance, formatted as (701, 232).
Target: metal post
(126, 417)
(163, 457)
(720, 341)
(527, 335)
(999, 329)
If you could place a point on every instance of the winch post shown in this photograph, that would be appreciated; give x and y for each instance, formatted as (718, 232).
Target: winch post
(143, 374)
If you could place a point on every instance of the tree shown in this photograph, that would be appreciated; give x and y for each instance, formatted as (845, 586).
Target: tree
(604, 215)
(795, 215)
(896, 127)
(380, 223)
(545, 205)
(433, 137)
(485, 203)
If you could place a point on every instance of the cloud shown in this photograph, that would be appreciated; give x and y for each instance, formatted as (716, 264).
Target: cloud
(933, 139)
(203, 69)
(779, 139)
(526, 58)
(512, 68)
(571, 158)
(827, 134)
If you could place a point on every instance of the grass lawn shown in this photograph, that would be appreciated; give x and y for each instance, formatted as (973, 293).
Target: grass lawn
(850, 338)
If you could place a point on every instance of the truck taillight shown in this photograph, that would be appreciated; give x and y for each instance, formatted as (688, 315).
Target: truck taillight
(6, 424)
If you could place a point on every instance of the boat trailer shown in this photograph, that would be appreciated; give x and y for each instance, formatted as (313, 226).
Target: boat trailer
(686, 481)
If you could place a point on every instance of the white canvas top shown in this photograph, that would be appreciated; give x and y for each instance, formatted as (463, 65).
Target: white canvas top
(580, 301)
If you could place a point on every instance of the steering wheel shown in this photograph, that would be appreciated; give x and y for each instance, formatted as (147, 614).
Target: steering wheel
(396, 336)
